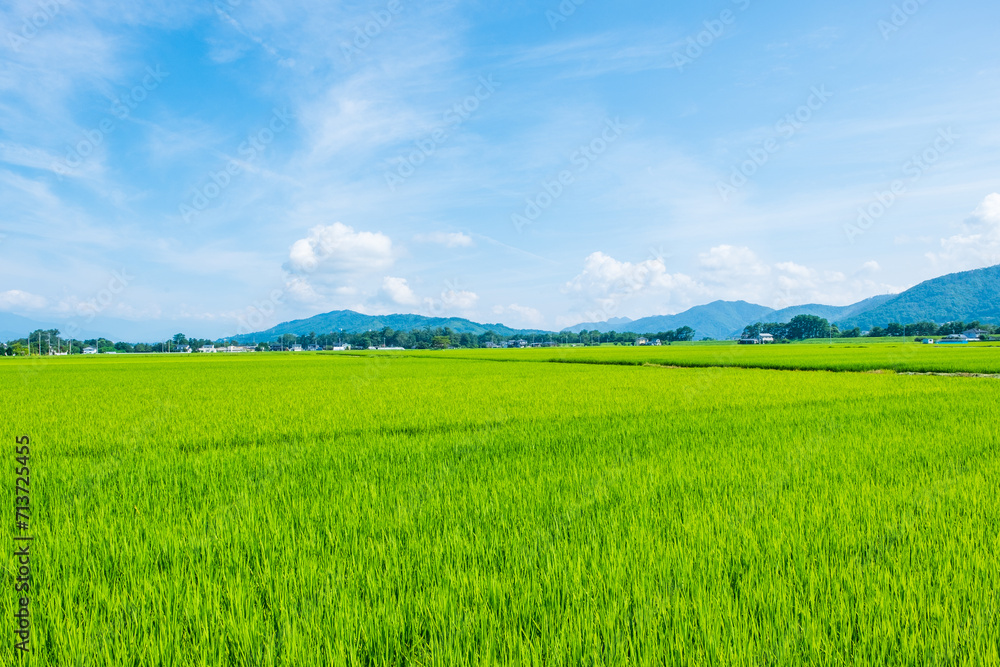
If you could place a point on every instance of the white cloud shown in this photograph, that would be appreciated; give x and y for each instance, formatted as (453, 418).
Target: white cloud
(301, 290)
(606, 285)
(978, 245)
(447, 239)
(337, 248)
(871, 267)
(399, 291)
(522, 314)
(797, 270)
(459, 299)
(15, 298)
(605, 276)
(725, 263)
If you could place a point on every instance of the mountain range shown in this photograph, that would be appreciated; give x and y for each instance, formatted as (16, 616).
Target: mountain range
(967, 296)
(349, 321)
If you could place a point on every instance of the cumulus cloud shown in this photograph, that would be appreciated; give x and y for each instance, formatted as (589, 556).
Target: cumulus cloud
(605, 276)
(979, 243)
(606, 284)
(447, 239)
(17, 299)
(725, 263)
(337, 248)
(459, 299)
(398, 291)
(522, 314)
(301, 290)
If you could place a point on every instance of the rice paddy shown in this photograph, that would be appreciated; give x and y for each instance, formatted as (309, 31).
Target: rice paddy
(442, 508)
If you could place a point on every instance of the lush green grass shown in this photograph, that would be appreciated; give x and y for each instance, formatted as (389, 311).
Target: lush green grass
(324, 509)
(815, 355)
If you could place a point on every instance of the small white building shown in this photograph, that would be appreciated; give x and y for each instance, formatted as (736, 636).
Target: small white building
(759, 339)
(295, 348)
(90, 350)
(208, 349)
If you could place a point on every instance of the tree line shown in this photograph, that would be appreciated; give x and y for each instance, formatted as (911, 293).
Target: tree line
(46, 341)
(804, 327)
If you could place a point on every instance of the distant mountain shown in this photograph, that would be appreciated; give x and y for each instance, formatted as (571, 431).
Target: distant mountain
(830, 313)
(614, 324)
(349, 321)
(966, 296)
(718, 319)
(714, 320)
(13, 327)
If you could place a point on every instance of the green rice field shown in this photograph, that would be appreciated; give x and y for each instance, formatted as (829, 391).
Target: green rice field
(682, 505)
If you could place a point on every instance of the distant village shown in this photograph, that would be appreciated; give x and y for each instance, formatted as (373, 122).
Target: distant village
(802, 327)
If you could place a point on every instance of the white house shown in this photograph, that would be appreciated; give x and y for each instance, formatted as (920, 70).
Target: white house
(208, 349)
(90, 350)
(759, 339)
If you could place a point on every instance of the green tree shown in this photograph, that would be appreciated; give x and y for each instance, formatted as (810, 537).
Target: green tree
(684, 334)
(803, 327)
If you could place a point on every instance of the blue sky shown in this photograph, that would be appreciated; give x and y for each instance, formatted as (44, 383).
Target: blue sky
(220, 168)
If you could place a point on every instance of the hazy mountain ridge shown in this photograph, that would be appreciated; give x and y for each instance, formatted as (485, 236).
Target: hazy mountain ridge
(350, 321)
(966, 296)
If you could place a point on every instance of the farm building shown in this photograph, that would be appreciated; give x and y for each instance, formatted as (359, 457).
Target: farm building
(759, 339)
